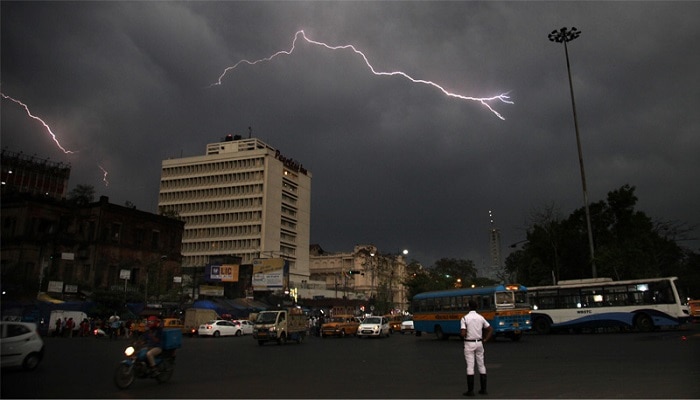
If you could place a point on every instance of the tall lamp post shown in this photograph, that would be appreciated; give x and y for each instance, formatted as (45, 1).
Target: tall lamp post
(564, 36)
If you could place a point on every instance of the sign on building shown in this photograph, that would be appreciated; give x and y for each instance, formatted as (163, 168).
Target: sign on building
(209, 290)
(222, 273)
(55, 287)
(270, 273)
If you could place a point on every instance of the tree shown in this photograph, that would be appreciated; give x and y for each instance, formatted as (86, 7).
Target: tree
(447, 273)
(82, 194)
(628, 244)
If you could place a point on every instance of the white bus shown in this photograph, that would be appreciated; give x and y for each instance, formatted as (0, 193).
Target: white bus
(641, 304)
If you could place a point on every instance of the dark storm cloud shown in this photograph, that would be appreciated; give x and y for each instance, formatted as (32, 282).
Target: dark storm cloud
(394, 163)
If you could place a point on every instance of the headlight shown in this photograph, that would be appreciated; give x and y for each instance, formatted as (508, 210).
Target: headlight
(129, 351)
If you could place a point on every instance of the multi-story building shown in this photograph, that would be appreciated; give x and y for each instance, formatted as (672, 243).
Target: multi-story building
(62, 248)
(363, 274)
(242, 198)
(22, 173)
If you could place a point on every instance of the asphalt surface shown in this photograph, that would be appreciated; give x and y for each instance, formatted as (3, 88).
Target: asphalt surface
(660, 364)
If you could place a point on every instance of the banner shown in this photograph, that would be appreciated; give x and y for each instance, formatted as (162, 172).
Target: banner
(269, 274)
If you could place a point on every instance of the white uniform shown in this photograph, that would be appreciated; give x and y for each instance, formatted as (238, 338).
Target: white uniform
(474, 323)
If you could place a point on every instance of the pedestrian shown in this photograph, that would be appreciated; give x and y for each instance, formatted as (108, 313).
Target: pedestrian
(472, 329)
(114, 327)
(70, 324)
(127, 328)
(57, 332)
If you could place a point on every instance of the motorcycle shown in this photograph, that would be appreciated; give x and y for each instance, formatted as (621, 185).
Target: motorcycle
(136, 366)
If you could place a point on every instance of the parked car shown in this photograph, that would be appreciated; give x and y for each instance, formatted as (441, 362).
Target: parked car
(340, 325)
(374, 326)
(246, 327)
(407, 326)
(21, 345)
(220, 327)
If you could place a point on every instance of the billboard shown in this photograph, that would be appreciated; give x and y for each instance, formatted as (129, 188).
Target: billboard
(221, 273)
(270, 274)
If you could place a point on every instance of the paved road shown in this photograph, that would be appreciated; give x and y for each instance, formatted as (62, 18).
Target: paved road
(663, 364)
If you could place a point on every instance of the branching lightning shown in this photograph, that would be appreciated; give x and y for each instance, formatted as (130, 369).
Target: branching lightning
(48, 128)
(503, 98)
(53, 135)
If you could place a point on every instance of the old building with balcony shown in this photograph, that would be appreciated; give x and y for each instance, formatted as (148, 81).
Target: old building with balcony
(65, 249)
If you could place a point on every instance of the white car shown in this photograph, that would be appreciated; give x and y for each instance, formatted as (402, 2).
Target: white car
(21, 345)
(220, 327)
(374, 326)
(245, 325)
(407, 326)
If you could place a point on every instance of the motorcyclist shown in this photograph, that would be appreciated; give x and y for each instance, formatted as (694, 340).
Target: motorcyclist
(153, 337)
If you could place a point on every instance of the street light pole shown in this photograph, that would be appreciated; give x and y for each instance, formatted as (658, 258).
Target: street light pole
(564, 36)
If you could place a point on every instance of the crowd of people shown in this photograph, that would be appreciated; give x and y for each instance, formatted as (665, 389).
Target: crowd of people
(113, 327)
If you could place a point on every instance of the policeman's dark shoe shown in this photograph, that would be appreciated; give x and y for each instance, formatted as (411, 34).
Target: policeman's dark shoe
(470, 386)
(482, 379)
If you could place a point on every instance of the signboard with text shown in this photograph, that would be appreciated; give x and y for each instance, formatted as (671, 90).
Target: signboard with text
(222, 273)
(270, 274)
(55, 287)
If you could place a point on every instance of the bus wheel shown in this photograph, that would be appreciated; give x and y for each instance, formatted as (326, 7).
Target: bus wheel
(439, 334)
(542, 325)
(643, 323)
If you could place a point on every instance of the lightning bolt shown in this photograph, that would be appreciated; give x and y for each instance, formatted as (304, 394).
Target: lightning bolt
(48, 128)
(53, 135)
(503, 98)
(104, 177)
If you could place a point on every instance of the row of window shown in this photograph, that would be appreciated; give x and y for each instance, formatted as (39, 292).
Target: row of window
(608, 296)
(286, 237)
(223, 231)
(214, 206)
(451, 303)
(210, 193)
(227, 218)
(289, 186)
(212, 180)
(289, 211)
(228, 165)
(221, 246)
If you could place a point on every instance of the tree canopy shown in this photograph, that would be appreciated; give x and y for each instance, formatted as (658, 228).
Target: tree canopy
(628, 244)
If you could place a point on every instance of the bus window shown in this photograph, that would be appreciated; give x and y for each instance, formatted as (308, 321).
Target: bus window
(520, 298)
(592, 297)
(661, 292)
(616, 296)
(486, 302)
(569, 298)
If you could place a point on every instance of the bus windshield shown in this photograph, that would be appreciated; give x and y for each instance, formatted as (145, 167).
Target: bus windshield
(505, 299)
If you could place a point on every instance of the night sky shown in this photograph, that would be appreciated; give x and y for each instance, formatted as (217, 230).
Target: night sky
(395, 163)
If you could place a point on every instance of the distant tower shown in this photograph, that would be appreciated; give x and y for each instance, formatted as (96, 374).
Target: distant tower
(495, 247)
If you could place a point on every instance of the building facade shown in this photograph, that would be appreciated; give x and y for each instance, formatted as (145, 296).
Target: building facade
(22, 173)
(64, 249)
(243, 198)
(364, 274)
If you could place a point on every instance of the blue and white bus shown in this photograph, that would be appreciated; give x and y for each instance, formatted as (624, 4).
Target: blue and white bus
(504, 306)
(642, 304)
